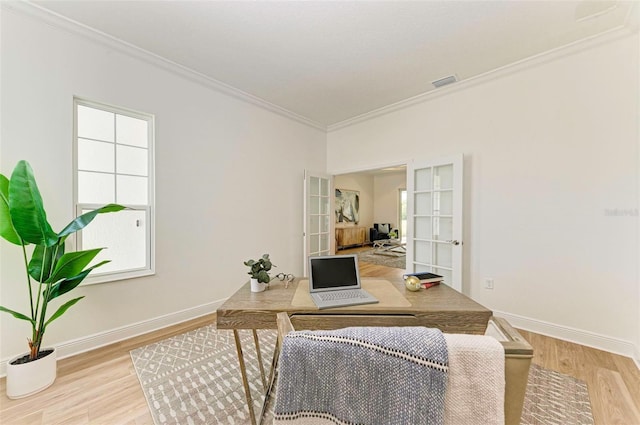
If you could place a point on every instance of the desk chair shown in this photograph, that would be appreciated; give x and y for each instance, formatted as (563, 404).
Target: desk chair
(518, 355)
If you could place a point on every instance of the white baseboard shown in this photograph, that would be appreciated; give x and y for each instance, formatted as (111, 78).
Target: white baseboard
(91, 342)
(590, 339)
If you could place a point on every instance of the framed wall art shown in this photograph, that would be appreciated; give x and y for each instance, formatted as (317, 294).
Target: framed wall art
(347, 206)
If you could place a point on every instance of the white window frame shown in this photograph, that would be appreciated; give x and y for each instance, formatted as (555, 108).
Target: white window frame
(149, 269)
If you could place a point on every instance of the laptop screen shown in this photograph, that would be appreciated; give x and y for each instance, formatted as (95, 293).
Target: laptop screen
(333, 272)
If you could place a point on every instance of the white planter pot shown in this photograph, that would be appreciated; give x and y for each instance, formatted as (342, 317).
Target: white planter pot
(29, 378)
(257, 286)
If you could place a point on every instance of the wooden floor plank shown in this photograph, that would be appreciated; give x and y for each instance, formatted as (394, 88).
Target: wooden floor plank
(571, 359)
(631, 376)
(545, 353)
(101, 387)
(611, 401)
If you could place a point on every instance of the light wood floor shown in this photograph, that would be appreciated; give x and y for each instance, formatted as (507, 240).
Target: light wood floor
(101, 387)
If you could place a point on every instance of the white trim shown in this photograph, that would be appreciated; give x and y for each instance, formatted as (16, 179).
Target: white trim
(116, 276)
(74, 27)
(531, 61)
(64, 23)
(148, 208)
(366, 168)
(92, 342)
(101, 339)
(578, 336)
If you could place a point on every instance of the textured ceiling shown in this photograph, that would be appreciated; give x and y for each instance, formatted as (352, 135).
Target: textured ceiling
(332, 61)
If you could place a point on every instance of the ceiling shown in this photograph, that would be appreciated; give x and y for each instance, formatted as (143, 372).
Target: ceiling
(331, 61)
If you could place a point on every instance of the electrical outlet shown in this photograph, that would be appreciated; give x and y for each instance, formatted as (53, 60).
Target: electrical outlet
(488, 283)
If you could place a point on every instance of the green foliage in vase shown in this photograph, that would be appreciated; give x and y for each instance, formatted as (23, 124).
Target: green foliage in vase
(50, 272)
(259, 269)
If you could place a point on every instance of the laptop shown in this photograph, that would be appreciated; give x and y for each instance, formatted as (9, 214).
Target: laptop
(334, 281)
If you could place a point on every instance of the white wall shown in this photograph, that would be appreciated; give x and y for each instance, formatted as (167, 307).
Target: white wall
(637, 349)
(551, 149)
(229, 177)
(387, 197)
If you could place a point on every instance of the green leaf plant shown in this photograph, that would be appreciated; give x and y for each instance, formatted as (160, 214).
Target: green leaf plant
(259, 269)
(50, 272)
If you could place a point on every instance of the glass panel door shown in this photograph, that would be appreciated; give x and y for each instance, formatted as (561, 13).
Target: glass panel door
(434, 219)
(317, 220)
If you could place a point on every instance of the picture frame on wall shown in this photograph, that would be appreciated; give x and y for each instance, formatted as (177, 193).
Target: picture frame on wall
(347, 207)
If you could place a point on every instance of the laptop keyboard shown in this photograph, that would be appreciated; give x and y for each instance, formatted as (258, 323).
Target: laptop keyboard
(340, 295)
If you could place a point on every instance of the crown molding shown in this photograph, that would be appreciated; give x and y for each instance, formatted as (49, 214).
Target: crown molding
(61, 22)
(532, 61)
(632, 20)
(51, 18)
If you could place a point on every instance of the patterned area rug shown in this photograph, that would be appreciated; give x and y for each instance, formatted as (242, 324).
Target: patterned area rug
(370, 256)
(194, 378)
(555, 398)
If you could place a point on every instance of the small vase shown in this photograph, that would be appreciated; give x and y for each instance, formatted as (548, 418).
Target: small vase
(29, 378)
(412, 283)
(257, 286)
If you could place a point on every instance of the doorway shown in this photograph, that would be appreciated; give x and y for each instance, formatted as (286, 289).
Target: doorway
(424, 203)
(378, 193)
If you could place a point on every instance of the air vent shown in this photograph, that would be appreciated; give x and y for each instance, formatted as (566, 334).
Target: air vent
(444, 81)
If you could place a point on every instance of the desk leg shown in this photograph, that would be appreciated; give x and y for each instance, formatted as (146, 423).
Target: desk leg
(272, 373)
(243, 371)
(255, 340)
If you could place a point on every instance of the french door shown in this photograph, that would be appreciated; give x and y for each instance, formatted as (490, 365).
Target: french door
(317, 216)
(434, 218)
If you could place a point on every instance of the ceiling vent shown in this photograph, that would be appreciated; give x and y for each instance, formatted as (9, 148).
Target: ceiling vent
(444, 81)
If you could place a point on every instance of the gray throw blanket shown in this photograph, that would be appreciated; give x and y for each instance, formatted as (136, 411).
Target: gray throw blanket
(363, 375)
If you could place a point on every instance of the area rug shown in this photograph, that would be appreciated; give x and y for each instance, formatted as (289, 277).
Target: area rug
(370, 256)
(555, 398)
(194, 378)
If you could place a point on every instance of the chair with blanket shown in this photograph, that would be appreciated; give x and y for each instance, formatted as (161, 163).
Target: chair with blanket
(369, 375)
(381, 231)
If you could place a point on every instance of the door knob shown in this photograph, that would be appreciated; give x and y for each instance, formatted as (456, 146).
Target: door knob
(454, 242)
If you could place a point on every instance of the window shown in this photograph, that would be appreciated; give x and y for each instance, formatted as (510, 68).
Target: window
(114, 164)
(402, 213)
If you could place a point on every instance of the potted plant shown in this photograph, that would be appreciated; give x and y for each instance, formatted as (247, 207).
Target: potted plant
(259, 271)
(50, 272)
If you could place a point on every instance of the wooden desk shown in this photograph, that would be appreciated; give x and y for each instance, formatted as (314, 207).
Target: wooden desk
(440, 307)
